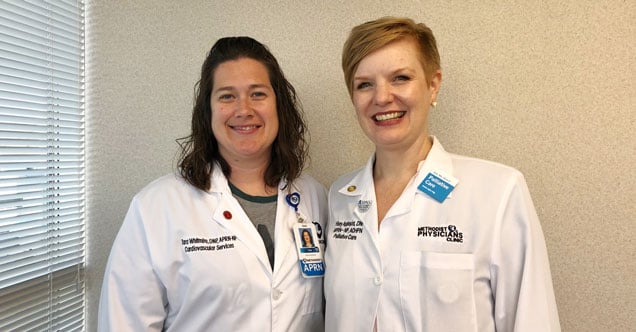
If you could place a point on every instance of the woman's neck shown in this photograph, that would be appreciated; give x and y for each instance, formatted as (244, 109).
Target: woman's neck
(393, 170)
(250, 178)
(400, 163)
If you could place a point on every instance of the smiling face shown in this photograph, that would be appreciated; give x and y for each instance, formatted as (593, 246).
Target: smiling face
(392, 97)
(244, 117)
(307, 239)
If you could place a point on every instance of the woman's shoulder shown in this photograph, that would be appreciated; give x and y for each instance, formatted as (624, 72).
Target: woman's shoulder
(165, 186)
(309, 187)
(467, 168)
(346, 178)
(484, 165)
(308, 182)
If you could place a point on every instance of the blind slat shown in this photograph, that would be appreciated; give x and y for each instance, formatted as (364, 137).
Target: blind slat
(49, 10)
(62, 215)
(70, 217)
(38, 28)
(62, 78)
(17, 257)
(25, 37)
(41, 113)
(6, 217)
(40, 123)
(29, 138)
(13, 83)
(30, 162)
(39, 259)
(22, 92)
(15, 276)
(44, 10)
(42, 172)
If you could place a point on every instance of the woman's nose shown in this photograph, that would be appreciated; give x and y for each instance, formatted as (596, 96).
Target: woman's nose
(243, 107)
(383, 94)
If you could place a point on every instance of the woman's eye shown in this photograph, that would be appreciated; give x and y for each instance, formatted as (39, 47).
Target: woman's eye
(259, 95)
(363, 85)
(402, 78)
(226, 97)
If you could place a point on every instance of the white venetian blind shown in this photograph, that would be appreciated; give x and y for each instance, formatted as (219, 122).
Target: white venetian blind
(41, 165)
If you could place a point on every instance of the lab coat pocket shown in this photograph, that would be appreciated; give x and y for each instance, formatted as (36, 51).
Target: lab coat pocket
(313, 296)
(436, 291)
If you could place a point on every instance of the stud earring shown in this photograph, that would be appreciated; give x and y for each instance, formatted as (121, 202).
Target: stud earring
(434, 104)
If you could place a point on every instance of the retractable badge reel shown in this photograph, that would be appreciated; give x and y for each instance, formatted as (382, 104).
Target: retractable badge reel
(309, 252)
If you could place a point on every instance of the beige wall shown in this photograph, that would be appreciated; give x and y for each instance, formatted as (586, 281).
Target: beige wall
(544, 86)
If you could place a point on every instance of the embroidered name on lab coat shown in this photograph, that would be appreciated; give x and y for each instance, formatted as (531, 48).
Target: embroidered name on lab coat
(195, 244)
(450, 232)
(348, 229)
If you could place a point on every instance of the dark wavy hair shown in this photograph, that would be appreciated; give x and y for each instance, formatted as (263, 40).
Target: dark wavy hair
(200, 150)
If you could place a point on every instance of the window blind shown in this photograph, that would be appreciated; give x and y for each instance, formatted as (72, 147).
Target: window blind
(42, 202)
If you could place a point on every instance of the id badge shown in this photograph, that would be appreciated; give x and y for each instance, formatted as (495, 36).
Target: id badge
(438, 185)
(309, 252)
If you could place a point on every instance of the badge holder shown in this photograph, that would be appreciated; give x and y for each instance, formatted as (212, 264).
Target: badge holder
(309, 252)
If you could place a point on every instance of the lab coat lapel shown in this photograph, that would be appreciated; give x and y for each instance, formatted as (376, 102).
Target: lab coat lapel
(229, 214)
(363, 202)
(285, 219)
(437, 160)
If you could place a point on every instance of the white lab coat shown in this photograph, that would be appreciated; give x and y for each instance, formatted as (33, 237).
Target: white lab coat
(190, 260)
(488, 272)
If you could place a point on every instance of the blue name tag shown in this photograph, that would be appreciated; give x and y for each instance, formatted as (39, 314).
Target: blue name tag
(312, 269)
(436, 186)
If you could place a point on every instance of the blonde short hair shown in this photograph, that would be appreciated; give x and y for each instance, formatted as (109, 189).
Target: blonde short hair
(373, 35)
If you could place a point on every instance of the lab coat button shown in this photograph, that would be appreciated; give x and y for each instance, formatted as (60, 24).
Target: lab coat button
(276, 294)
(377, 280)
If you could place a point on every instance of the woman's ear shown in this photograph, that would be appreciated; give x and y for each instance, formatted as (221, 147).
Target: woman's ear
(434, 84)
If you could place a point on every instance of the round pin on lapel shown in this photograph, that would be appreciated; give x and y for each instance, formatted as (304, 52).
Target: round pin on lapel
(351, 188)
(227, 214)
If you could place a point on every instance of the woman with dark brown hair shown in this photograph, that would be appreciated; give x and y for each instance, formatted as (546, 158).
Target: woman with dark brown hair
(212, 246)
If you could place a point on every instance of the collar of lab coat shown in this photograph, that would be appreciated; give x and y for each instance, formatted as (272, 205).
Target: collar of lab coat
(436, 160)
(244, 229)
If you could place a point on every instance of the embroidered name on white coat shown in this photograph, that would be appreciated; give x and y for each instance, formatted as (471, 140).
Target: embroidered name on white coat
(348, 229)
(195, 244)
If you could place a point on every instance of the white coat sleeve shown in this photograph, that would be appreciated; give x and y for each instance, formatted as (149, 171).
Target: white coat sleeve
(132, 297)
(521, 283)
